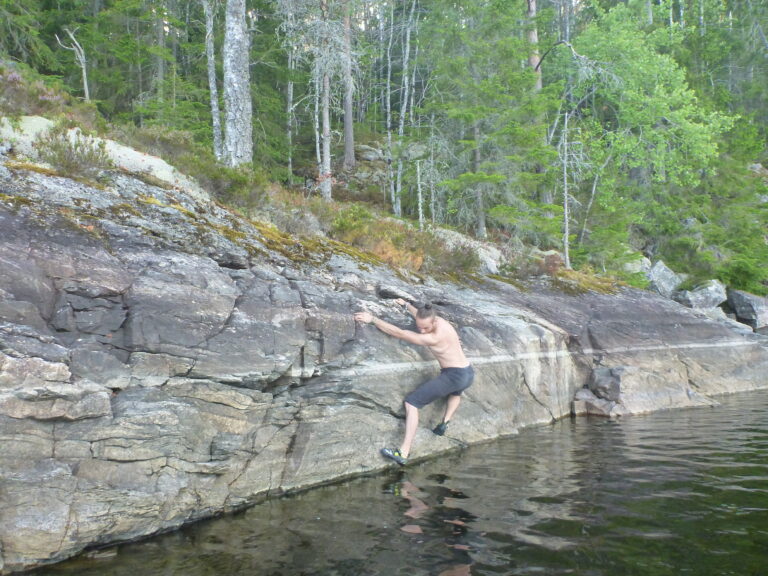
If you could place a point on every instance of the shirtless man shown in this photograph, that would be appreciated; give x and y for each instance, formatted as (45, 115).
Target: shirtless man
(456, 374)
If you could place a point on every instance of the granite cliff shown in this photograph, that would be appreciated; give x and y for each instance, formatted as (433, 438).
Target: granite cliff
(163, 360)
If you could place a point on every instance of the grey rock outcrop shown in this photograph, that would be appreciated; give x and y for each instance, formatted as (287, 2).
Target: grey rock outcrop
(663, 279)
(749, 309)
(163, 360)
(708, 295)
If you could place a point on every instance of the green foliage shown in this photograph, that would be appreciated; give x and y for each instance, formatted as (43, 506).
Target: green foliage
(25, 92)
(74, 154)
(242, 187)
(746, 273)
(532, 222)
(183, 106)
(397, 243)
(716, 231)
(349, 219)
(666, 114)
(20, 33)
(652, 120)
(746, 141)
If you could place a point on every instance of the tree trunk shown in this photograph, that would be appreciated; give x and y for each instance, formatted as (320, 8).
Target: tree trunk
(566, 19)
(316, 127)
(534, 59)
(420, 195)
(289, 115)
(432, 168)
(326, 176)
(160, 55)
(480, 229)
(388, 110)
(566, 208)
(80, 59)
(238, 139)
(412, 104)
(404, 96)
(212, 84)
(592, 197)
(349, 91)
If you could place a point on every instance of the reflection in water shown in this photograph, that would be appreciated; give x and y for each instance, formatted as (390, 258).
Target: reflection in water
(679, 492)
(444, 511)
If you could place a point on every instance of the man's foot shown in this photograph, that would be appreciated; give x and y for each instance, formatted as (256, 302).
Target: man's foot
(394, 454)
(440, 428)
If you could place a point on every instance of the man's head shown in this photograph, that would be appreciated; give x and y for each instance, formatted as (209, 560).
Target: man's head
(426, 320)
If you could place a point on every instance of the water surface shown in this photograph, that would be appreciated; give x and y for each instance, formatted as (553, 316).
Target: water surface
(678, 492)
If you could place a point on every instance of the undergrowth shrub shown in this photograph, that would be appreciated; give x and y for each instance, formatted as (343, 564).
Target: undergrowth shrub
(24, 92)
(584, 280)
(241, 187)
(157, 141)
(401, 245)
(244, 187)
(74, 154)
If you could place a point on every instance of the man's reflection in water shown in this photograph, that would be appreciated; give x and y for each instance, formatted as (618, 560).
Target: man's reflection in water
(444, 520)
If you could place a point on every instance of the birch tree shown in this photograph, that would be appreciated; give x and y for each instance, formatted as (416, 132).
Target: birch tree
(534, 60)
(317, 30)
(238, 111)
(159, 22)
(405, 87)
(210, 54)
(349, 91)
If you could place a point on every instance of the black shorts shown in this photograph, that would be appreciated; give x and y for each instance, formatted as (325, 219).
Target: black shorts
(451, 381)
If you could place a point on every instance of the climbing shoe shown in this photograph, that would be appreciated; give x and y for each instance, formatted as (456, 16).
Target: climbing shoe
(394, 454)
(440, 428)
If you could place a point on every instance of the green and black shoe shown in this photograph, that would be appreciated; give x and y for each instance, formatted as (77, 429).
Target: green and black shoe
(440, 428)
(394, 454)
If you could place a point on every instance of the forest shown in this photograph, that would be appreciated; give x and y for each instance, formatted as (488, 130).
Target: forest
(604, 130)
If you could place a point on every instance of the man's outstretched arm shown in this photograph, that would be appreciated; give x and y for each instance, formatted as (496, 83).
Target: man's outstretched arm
(392, 330)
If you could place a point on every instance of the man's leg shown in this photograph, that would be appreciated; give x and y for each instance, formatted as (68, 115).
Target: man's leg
(450, 406)
(452, 402)
(411, 424)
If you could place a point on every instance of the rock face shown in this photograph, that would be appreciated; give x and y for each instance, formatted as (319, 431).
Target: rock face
(163, 360)
(750, 309)
(663, 279)
(707, 296)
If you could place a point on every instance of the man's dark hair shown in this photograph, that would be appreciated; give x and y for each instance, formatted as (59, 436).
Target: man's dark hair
(425, 312)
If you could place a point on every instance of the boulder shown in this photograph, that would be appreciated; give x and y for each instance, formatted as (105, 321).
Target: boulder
(489, 255)
(663, 280)
(708, 295)
(749, 309)
(623, 389)
(368, 153)
(638, 265)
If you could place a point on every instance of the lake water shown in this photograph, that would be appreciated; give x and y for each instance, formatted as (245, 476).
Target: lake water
(678, 492)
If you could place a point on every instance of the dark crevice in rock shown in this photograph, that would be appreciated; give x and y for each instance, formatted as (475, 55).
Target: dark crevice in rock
(355, 399)
(539, 402)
